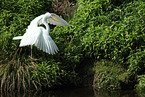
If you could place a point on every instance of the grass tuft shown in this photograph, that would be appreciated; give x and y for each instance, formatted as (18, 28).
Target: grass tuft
(15, 75)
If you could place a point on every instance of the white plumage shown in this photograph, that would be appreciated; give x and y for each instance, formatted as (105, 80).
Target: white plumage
(39, 36)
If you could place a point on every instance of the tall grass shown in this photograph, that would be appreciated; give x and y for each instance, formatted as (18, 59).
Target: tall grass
(15, 75)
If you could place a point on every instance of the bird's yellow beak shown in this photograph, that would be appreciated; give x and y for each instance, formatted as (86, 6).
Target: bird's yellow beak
(55, 19)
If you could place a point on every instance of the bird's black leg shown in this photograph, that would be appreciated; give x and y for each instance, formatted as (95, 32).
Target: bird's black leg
(31, 51)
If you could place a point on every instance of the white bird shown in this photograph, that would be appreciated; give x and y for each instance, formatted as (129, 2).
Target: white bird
(39, 36)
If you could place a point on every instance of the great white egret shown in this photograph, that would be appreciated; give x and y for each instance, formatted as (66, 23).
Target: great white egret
(39, 36)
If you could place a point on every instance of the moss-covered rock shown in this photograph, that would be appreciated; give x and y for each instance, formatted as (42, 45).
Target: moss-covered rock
(107, 75)
(110, 76)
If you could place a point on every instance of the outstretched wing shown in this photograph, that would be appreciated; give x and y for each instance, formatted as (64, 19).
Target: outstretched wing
(51, 46)
(44, 42)
(56, 20)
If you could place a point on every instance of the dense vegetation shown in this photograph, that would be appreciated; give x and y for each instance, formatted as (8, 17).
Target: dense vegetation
(108, 30)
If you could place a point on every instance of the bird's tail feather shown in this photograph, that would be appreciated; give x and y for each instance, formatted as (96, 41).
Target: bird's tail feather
(18, 37)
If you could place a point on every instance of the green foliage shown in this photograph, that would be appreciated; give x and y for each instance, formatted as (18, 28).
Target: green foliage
(34, 7)
(141, 85)
(13, 75)
(103, 29)
(137, 62)
(121, 34)
(47, 74)
(100, 29)
(108, 75)
(50, 74)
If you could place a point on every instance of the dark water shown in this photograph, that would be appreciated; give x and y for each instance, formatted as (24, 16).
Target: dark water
(79, 92)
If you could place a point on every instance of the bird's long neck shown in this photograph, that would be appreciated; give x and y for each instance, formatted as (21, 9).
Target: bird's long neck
(47, 26)
(45, 23)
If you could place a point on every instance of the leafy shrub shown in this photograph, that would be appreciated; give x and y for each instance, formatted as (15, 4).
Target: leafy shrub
(50, 74)
(141, 85)
(121, 34)
(137, 62)
(47, 74)
(103, 29)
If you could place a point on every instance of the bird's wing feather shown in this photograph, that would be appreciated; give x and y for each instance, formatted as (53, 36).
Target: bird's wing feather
(46, 43)
(30, 36)
(51, 44)
(52, 47)
(39, 42)
(56, 20)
